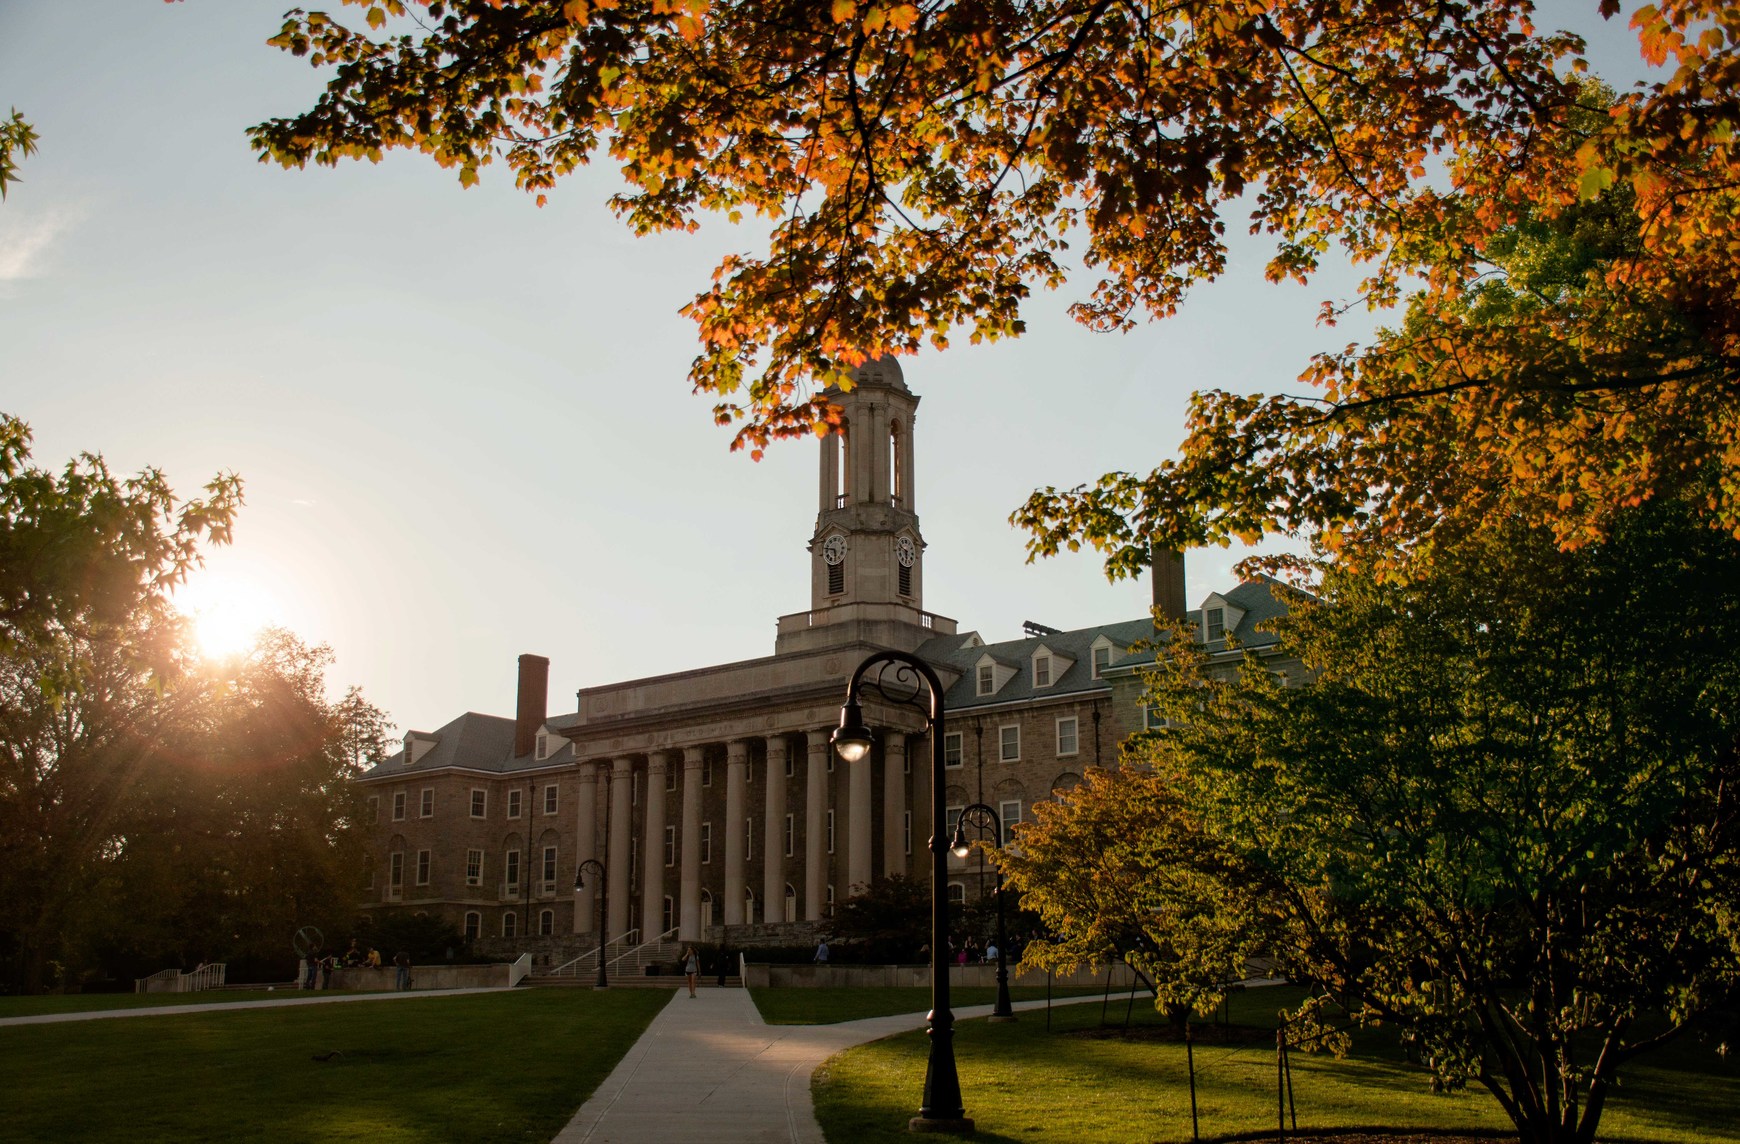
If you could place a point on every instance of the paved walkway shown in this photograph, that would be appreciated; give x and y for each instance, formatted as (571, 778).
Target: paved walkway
(709, 1071)
(291, 997)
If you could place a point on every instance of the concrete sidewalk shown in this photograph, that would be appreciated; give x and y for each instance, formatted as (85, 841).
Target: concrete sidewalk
(291, 997)
(714, 1073)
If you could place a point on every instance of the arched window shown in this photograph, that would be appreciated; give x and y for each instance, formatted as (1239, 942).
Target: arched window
(509, 924)
(706, 909)
(790, 903)
(670, 915)
(546, 922)
(473, 925)
(896, 471)
(957, 893)
(843, 474)
(748, 906)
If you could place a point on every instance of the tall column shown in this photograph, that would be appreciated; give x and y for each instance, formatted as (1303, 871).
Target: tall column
(689, 910)
(652, 866)
(893, 803)
(621, 778)
(736, 777)
(815, 826)
(586, 846)
(859, 817)
(773, 835)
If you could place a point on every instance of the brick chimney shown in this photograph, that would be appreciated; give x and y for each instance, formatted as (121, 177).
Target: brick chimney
(533, 703)
(1167, 579)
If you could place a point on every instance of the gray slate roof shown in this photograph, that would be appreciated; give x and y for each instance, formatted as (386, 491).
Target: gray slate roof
(1260, 600)
(473, 742)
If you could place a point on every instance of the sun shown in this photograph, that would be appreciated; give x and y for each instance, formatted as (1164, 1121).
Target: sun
(227, 613)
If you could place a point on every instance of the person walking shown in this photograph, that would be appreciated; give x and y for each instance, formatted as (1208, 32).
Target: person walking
(691, 967)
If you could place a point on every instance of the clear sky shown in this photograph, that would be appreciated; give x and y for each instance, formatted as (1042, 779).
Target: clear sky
(463, 421)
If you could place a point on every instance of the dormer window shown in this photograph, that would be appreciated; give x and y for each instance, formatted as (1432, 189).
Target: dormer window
(1214, 623)
(1042, 671)
(987, 679)
(543, 745)
(1102, 659)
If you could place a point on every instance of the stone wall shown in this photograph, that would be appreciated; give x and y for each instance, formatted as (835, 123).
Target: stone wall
(889, 976)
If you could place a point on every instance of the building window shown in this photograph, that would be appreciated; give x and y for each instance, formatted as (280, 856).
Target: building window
(1152, 718)
(830, 906)
(479, 802)
(905, 580)
(550, 799)
(670, 914)
(514, 803)
(952, 749)
(1010, 814)
(422, 867)
(1215, 620)
(707, 772)
(830, 832)
(1102, 660)
(790, 833)
(543, 745)
(374, 808)
(748, 839)
(790, 765)
(398, 806)
(906, 832)
(1009, 742)
(426, 809)
(549, 868)
(670, 778)
(670, 846)
(395, 869)
(957, 894)
(790, 902)
(474, 867)
(706, 843)
(509, 925)
(513, 869)
(473, 925)
(547, 922)
(987, 679)
(1067, 743)
(836, 578)
(1042, 671)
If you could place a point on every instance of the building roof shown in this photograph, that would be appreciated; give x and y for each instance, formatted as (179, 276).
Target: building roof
(1256, 599)
(472, 742)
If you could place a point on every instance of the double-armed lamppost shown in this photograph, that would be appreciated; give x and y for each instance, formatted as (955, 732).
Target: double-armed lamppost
(597, 869)
(984, 818)
(898, 676)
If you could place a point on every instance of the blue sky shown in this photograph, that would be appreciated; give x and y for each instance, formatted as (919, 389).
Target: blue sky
(464, 422)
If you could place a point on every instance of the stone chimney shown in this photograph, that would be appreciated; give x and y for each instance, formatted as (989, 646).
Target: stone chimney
(1166, 573)
(533, 703)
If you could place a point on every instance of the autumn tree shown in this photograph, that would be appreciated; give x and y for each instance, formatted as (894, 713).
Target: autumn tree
(924, 165)
(17, 141)
(1501, 816)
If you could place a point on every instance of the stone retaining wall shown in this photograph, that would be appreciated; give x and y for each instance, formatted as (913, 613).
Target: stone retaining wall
(888, 976)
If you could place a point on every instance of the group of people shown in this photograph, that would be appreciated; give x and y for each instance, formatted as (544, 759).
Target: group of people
(355, 957)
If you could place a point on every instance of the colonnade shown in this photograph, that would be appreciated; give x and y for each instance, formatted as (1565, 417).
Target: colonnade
(692, 845)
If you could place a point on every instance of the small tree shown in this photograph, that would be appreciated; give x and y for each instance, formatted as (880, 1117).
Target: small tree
(886, 922)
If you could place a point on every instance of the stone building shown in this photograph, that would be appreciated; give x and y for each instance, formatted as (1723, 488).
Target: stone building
(712, 797)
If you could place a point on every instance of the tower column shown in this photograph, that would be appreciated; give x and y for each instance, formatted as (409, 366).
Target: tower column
(652, 866)
(893, 803)
(815, 838)
(689, 909)
(586, 846)
(773, 835)
(736, 776)
(616, 909)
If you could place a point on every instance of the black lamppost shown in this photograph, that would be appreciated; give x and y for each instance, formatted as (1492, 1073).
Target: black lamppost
(984, 817)
(942, 1110)
(597, 869)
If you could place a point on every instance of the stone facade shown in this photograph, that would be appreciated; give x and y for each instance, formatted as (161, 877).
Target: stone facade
(712, 797)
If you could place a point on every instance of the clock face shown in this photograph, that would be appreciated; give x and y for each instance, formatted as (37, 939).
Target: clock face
(834, 549)
(905, 551)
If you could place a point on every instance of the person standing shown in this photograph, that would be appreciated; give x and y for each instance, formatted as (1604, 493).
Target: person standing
(402, 962)
(822, 951)
(691, 967)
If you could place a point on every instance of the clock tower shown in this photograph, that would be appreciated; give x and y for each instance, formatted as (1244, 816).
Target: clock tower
(866, 555)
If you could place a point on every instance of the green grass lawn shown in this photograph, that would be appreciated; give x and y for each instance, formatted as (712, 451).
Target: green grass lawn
(831, 1006)
(1077, 1083)
(489, 1066)
(92, 1002)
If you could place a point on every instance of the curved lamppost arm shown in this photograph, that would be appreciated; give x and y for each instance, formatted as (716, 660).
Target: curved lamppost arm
(984, 818)
(596, 869)
(898, 676)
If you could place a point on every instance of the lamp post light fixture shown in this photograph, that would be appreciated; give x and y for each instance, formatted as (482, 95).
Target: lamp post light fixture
(983, 817)
(597, 869)
(898, 678)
